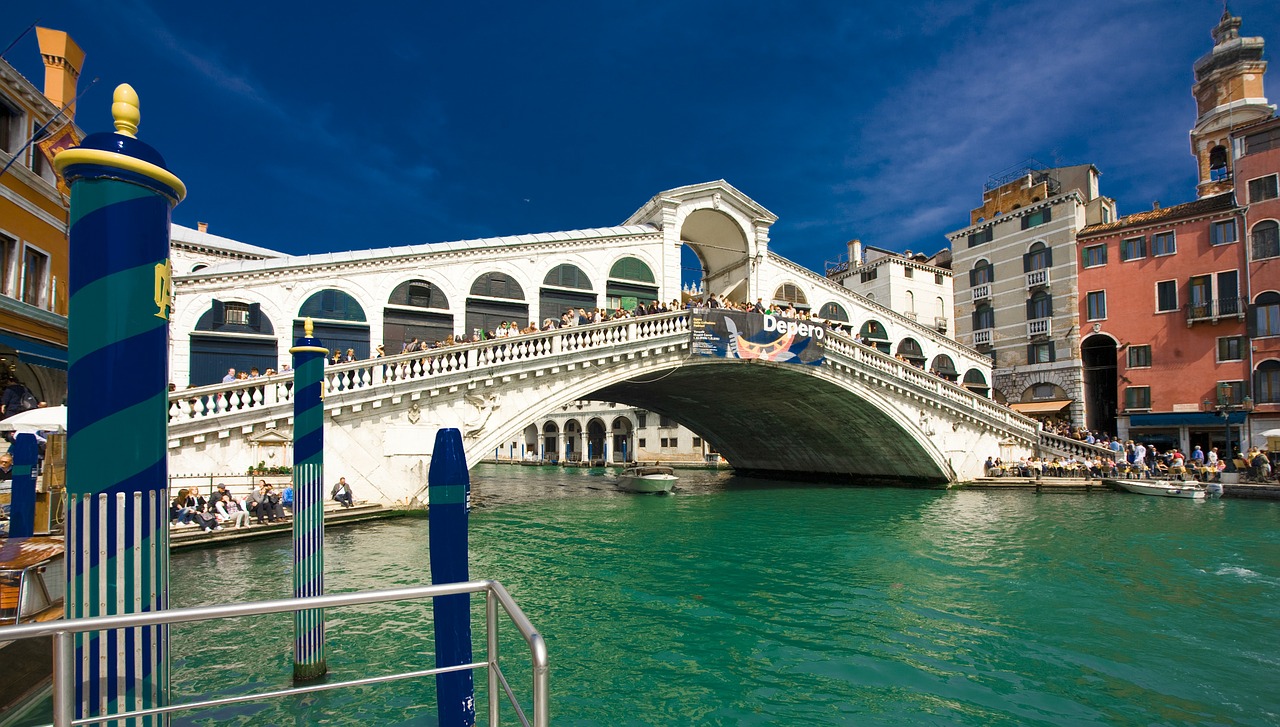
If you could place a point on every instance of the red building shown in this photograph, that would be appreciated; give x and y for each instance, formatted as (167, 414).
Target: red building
(1162, 311)
(1256, 166)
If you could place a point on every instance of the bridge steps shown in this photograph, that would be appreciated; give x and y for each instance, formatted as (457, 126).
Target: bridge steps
(189, 536)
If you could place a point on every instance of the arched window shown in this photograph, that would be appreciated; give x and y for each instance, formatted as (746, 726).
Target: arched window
(981, 274)
(977, 383)
(911, 302)
(909, 348)
(984, 316)
(198, 267)
(1266, 239)
(790, 293)
(332, 304)
(945, 367)
(1264, 319)
(630, 283)
(630, 268)
(874, 333)
(418, 294)
(1218, 170)
(1266, 382)
(497, 285)
(231, 334)
(1040, 305)
(833, 312)
(1038, 257)
(568, 276)
(565, 287)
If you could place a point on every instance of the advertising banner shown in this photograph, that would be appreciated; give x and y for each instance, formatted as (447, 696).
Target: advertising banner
(740, 334)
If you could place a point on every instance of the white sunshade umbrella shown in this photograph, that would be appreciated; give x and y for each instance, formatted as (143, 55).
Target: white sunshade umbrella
(49, 418)
(1271, 433)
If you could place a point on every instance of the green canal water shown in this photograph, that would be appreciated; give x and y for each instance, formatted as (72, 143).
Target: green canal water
(742, 602)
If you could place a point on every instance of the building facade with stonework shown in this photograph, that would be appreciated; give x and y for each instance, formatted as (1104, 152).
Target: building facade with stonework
(1257, 176)
(1016, 292)
(34, 123)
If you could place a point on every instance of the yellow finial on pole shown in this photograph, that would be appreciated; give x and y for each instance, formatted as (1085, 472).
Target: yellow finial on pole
(125, 110)
(308, 328)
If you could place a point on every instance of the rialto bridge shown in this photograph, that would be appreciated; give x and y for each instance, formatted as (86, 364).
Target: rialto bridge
(861, 413)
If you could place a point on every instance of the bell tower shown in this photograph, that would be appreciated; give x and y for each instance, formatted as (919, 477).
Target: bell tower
(1229, 94)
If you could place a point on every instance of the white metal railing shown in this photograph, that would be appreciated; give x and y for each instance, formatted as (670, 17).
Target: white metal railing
(63, 633)
(981, 292)
(982, 337)
(1037, 278)
(1039, 327)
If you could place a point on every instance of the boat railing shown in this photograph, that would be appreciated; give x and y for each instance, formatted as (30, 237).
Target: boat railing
(64, 632)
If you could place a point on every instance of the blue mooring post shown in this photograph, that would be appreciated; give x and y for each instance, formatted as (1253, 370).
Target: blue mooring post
(308, 502)
(449, 496)
(121, 294)
(22, 510)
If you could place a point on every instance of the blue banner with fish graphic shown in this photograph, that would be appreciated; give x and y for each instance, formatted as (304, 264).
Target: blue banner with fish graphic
(741, 334)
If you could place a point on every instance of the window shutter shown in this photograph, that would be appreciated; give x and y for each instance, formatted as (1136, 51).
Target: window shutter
(219, 315)
(1031, 308)
(1251, 322)
(973, 277)
(1048, 214)
(255, 316)
(977, 325)
(1031, 353)
(1053, 352)
(1026, 262)
(1048, 257)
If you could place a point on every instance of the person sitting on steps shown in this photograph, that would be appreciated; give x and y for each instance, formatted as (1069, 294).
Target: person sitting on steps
(342, 493)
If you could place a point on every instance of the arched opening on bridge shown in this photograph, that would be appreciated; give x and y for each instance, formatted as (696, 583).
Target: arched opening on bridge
(339, 322)
(722, 248)
(1099, 359)
(790, 294)
(565, 287)
(550, 442)
(631, 283)
(909, 349)
(833, 312)
(231, 335)
(976, 381)
(415, 312)
(596, 442)
(874, 333)
(495, 298)
(572, 441)
(529, 443)
(623, 447)
(945, 367)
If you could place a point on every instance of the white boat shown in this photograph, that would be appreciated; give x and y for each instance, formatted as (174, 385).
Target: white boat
(1189, 490)
(647, 479)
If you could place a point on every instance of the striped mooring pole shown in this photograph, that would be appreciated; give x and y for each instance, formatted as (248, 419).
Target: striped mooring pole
(117, 537)
(308, 502)
(448, 499)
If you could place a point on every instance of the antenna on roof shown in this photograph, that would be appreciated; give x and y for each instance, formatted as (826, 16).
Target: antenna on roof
(22, 35)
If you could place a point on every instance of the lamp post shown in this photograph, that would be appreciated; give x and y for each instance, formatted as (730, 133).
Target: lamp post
(1223, 408)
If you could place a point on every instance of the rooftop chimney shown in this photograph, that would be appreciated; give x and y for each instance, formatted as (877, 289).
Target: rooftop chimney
(855, 253)
(62, 61)
(1155, 205)
(202, 226)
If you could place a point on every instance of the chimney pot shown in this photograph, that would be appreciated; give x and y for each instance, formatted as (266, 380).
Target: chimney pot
(202, 226)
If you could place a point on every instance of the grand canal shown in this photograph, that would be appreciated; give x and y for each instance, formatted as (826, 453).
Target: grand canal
(741, 602)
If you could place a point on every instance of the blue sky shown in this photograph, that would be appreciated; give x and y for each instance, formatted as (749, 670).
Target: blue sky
(305, 128)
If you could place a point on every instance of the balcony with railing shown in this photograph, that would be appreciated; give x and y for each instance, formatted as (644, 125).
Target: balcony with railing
(982, 337)
(1038, 278)
(1039, 327)
(910, 314)
(1216, 309)
(982, 292)
(940, 323)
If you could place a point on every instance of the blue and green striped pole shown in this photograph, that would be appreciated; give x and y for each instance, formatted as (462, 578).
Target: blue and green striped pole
(308, 502)
(117, 394)
(448, 497)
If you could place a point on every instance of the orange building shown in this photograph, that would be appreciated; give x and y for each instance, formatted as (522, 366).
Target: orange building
(33, 218)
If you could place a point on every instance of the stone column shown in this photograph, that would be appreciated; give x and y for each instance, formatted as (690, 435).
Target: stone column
(117, 505)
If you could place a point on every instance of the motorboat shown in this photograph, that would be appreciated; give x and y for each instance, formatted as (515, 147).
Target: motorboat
(32, 587)
(647, 479)
(1188, 490)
